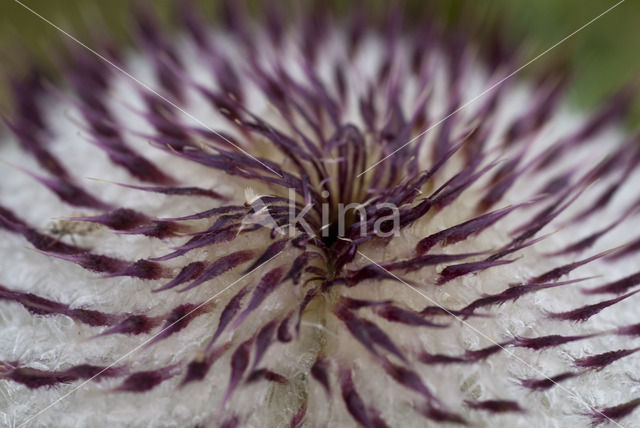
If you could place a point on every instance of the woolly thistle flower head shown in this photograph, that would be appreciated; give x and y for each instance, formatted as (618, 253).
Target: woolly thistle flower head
(313, 220)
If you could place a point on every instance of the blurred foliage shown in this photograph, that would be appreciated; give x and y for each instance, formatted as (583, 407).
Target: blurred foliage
(604, 55)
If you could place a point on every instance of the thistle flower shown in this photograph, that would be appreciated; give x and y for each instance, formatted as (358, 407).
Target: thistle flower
(274, 239)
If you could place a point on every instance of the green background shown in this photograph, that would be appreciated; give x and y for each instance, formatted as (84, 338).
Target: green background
(604, 55)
